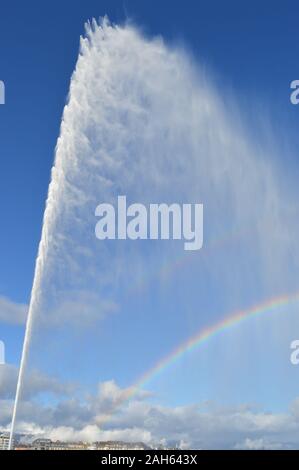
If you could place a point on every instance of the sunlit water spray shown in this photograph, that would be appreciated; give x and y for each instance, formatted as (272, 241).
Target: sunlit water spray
(32, 308)
(143, 121)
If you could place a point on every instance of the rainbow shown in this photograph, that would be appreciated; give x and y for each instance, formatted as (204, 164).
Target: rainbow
(209, 332)
(203, 336)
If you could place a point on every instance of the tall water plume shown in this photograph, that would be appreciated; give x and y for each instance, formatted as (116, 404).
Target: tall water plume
(143, 120)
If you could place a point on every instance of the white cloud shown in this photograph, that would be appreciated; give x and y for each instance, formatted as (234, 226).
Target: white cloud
(259, 444)
(12, 312)
(81, 310)
(199, 426)
(34, 383)
(91, 433)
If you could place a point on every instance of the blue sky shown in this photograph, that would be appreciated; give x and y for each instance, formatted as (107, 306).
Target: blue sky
(251, 53)
(250, 48)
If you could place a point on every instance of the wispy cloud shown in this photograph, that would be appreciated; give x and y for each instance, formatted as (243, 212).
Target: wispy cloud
(34, 383)
(12, 312)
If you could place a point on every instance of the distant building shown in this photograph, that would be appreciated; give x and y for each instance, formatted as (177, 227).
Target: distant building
(120, 445)
(41, 444)
(48, 444)
(58, 445)
(4, 441)
(76, 445)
